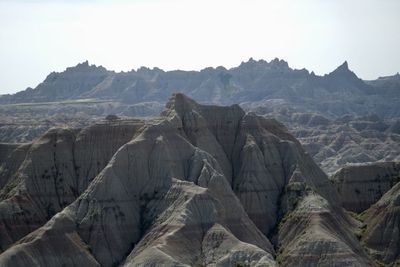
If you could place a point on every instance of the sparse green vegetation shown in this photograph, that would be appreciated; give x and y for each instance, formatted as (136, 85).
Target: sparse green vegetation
(279, 255)
(285, 218)
(87, 247)
(357, 216)
(241, 264)
(10, 186)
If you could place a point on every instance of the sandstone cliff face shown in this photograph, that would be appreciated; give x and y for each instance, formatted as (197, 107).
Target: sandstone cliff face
(42, 178)
(201, 185)
(363, 185)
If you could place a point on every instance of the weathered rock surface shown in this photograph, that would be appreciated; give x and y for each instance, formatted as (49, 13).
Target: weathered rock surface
(12, 157)
(340, 142)
(361, 186)
(40, 179)
(63, 86)
(339, 118)
(201, 185)
(5, 150)
(338, 93)
(381, 230)
(316, 234)
(23, 123)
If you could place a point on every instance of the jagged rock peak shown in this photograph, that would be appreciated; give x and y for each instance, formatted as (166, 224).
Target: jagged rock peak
(84, 66)
(81, 69)
(146, 70)
(280, 63)
(85, 63)
(181, 104)
(343, 71)
(344, 67)
(252, 62)
(262, 64)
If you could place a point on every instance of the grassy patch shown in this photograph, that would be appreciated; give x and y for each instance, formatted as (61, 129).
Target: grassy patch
(356, 216)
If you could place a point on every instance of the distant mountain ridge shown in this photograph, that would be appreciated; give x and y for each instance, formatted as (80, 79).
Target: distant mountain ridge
(335, 94)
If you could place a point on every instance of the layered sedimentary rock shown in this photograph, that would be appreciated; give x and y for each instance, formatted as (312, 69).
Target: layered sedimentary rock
(337, 93)
(340, 142)
(381, 230)
(362, 185)
(12, 157)
(5, 150)
(315, 233)
(40, 179)
(201, 185)
(373, 190)
(23, 123)
(339, 118)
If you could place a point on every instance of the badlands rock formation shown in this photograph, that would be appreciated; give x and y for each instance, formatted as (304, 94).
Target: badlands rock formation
(23, 123)
(373, 191)
(338, 93)
(339, 118)
(40, 179)
(381, 229)
(363, 185)
(335, 143)
(198, 186)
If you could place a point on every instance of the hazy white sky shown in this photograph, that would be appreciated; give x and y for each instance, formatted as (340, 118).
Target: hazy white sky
(40, 36)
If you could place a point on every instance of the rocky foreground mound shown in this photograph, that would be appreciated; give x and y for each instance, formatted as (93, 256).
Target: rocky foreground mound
(199, 186)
